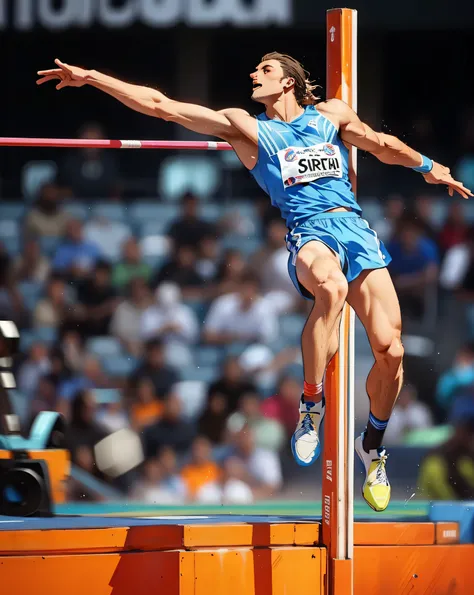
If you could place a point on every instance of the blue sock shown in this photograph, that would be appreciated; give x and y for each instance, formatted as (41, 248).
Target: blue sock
(373, 435)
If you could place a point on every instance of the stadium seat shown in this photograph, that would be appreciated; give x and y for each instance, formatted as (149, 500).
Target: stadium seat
(46, 334)
(9, 228)
(78, 210)
(206, 374)
(211, 211)
(49, 245)
(246, 245)
(119, 366)
(31, 293)
(144, 211)
(110, 211)
(291, 326)
(12, 210)
(34, 175)
(192, 395)
(12, 245)
(199, 308)
(208, 355)
(104, 346)
(105, 396)
(179, 174)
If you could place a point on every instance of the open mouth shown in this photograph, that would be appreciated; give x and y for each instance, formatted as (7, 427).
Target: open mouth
(256, 86)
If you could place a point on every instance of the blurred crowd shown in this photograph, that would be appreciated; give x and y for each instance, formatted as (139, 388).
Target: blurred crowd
(178, 321)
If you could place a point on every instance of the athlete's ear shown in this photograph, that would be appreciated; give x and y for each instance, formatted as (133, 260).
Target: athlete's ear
(290, 82)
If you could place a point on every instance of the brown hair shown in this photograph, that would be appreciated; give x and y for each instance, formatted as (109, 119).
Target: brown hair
(292, 68)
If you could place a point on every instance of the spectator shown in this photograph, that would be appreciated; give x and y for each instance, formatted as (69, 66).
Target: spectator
(269, 433)
(231, 386)
(263, 467)
(99, 301)
(201, 470)
(126, 319)
(154, 367)
(54, 308)
(283, 405)
(31, 265)
(230, 272)
(171, 477)
(11, 302)
(113, 417)
(151, 488)
(189, 229)
(131, 266)
(88, 377)
(145, 409)
(455, 228)
(36, 365)
(47, 218)
(424, 215)
(407, 415)
(169, 318)
(414, 266)
(181, 269)
(271, 265)
(243, 316)
(170, 430)
(208, 258)
(75, 257)
(91, 172)
(385, 227)
(455, 380)
(109, 236)
(213, 420)
(83, 430)
(447, 472)
(458, 264)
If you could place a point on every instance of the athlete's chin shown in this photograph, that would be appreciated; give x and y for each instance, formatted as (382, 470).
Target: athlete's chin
(259, 98)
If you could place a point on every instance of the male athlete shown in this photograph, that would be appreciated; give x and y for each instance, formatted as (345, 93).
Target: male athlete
(296, 151)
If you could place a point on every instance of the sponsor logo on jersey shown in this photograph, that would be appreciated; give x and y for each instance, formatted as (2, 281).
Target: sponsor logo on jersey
(290, 155)
(329, 149)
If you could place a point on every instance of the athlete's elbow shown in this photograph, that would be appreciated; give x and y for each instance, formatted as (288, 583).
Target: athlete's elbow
(164, 110)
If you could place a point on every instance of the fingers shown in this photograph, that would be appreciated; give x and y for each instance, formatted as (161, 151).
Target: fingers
(62, 65)
(50, 71)
(46, 79)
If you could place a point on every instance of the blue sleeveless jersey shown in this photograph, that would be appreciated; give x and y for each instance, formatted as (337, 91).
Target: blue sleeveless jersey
(303, 166)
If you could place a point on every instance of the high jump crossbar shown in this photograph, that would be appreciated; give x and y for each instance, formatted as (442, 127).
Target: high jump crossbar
(338, 451)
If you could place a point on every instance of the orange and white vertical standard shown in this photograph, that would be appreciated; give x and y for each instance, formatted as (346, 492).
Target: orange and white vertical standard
(338, 453)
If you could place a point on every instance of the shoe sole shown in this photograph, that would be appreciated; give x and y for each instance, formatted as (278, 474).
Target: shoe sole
(317, 452)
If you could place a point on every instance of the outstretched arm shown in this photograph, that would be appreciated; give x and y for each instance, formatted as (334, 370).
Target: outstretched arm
(145, 100)
(385, 147)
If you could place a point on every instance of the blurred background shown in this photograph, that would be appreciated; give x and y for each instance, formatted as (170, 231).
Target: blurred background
(150, 287)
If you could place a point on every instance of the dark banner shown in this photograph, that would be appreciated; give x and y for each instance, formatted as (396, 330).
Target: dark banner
(57, 15)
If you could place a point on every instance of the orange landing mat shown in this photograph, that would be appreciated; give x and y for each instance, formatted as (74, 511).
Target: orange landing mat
(224, 555)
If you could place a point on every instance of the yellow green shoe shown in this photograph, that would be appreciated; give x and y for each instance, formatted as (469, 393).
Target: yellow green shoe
(376, 488)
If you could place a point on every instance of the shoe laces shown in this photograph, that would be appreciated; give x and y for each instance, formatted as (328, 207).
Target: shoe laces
(380, 474)
(307, 423)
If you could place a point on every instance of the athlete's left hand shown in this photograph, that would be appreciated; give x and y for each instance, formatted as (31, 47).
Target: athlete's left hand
(441, 175)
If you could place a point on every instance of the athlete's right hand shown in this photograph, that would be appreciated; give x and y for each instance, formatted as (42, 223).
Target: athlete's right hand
(68, 76)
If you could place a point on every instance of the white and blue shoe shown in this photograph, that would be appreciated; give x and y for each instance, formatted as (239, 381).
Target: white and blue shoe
(305, 443)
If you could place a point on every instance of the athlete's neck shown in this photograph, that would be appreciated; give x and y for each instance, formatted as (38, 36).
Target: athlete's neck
(284, 110)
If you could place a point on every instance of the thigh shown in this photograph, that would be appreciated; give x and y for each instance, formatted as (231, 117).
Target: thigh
(315, 256)
(375, 301)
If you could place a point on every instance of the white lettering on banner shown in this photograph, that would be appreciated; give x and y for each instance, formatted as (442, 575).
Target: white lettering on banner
(327, 510)
(58, 17)
(160, 13)
(28, 14)
(329, 470)
(117, 17)
(300, 165)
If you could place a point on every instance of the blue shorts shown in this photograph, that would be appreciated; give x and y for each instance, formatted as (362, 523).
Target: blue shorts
(348, 235)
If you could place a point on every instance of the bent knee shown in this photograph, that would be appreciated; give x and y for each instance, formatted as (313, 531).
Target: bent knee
(328, 283)
(391, 350)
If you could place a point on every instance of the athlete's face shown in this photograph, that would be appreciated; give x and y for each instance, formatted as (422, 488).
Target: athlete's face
(268, 81)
